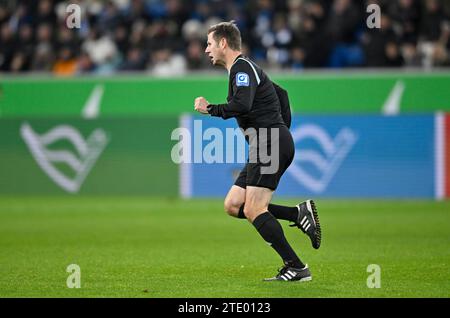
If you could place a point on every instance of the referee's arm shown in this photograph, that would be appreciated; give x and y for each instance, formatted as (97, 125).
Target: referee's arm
(244, 88)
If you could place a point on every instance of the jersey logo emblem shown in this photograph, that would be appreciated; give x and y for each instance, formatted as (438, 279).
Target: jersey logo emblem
(242, 79)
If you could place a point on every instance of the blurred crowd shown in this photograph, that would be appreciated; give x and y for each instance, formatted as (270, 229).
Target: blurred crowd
(167, 37)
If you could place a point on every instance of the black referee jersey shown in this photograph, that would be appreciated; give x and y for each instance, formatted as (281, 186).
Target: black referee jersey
(252, 98)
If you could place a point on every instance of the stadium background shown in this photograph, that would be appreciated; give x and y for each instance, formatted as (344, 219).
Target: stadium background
(128, 78)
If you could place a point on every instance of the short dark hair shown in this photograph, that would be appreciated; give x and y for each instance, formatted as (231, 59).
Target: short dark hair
(229, 31)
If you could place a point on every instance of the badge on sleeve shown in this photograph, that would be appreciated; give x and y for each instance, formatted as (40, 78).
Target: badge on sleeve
(242, 79)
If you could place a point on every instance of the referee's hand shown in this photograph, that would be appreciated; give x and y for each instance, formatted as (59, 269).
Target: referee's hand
(201, 105)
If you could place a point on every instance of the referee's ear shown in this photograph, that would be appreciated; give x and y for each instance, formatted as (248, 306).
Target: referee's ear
(223, 43)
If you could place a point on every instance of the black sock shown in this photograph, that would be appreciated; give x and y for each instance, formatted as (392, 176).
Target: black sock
(241, 214)
(280, 212)
(284, 212)
(272, 232)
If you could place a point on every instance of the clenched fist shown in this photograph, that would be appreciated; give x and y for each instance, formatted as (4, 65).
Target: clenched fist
(201, 105)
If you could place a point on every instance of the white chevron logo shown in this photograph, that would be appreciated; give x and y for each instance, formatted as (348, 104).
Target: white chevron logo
(88, 151)
(334, 152)
(392, 104)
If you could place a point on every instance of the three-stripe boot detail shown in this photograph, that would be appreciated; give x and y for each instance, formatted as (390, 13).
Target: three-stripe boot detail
(291, 274)
(308, 222)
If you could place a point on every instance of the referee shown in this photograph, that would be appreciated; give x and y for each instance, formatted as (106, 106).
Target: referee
(254, 102)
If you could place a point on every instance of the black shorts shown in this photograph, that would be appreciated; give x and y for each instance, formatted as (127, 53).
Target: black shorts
(253, 175)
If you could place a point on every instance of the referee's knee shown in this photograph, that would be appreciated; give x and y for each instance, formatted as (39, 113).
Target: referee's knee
(251, 211)
(232, 206)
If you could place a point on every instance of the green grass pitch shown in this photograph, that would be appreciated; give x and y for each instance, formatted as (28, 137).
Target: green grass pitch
(150, 247)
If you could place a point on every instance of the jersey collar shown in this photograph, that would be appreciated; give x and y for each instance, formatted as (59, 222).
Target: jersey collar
(237, 57)
(235, 60)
